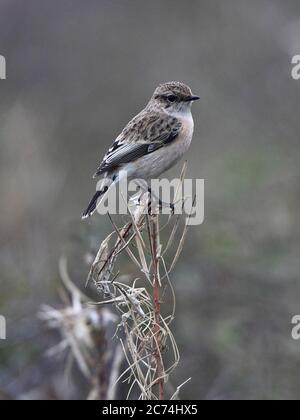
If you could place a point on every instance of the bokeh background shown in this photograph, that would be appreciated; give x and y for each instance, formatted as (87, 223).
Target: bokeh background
(76, 72)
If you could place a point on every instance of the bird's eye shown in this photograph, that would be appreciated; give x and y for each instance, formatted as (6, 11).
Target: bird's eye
(172, 98)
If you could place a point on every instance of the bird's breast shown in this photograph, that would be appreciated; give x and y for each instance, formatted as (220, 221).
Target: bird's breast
(154, 164)
(186, 133)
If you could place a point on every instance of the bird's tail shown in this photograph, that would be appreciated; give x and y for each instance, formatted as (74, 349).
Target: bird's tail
(94, 203)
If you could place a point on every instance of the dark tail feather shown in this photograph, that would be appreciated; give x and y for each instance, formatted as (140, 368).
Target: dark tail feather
(93, 204)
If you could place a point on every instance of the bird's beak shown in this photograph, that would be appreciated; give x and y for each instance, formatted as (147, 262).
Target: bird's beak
(192, 98)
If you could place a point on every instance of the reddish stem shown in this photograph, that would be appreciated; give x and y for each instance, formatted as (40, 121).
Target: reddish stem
(156, 288)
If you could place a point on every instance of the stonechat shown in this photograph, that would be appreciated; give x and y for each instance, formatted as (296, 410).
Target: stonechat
(152, 142)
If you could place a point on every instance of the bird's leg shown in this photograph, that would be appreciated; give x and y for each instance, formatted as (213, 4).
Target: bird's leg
(140, 197)
(150, 202)
(153, 197)
(142, 192)
(162, 204)
(170, 205)
(142, 189)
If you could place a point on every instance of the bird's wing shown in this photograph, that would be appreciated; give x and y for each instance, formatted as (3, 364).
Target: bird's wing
(144, 134)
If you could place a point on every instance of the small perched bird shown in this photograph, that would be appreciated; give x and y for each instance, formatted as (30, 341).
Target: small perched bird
(152, 142)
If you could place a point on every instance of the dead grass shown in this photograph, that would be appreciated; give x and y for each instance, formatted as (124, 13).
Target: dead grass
(146, 341)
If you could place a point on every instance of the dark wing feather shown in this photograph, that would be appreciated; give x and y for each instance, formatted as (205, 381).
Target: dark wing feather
(143, 135)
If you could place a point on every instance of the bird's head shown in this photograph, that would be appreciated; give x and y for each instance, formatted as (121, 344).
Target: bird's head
(173, 97)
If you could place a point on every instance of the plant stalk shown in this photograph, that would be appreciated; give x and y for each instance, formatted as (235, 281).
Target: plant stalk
(157, 309)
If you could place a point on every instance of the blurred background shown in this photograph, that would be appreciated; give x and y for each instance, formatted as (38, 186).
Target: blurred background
(76, 72)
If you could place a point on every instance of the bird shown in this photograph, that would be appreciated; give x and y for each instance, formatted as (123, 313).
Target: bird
(152, 142)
